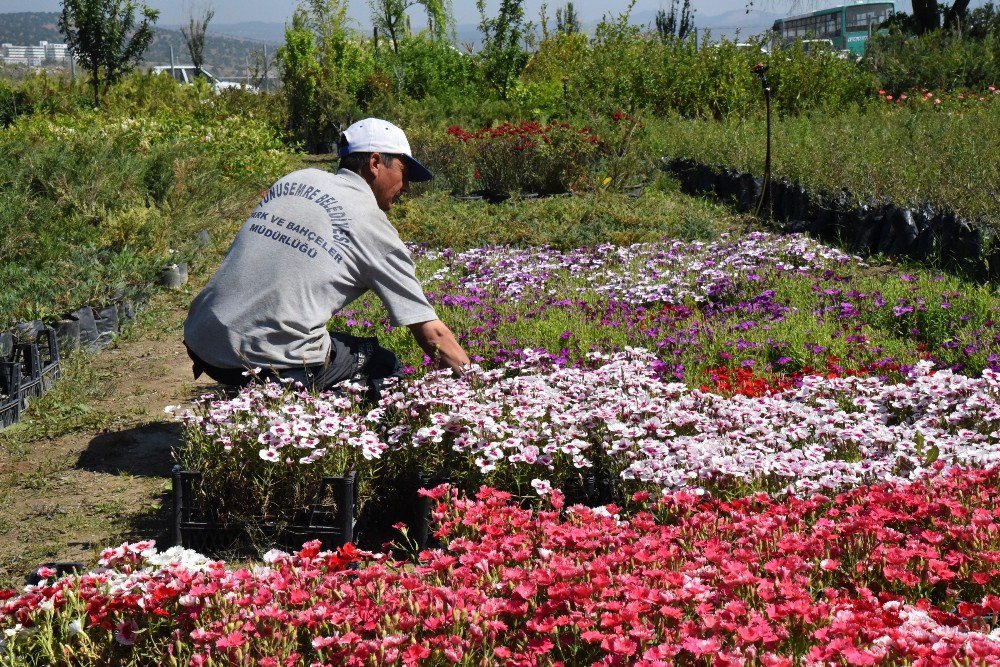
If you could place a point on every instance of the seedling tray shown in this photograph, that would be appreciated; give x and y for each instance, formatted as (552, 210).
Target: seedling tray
(330, 520)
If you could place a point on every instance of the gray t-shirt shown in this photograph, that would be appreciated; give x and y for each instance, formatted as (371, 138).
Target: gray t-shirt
(315, 243)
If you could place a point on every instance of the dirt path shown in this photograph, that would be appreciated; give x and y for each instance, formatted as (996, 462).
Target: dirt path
(65, 498)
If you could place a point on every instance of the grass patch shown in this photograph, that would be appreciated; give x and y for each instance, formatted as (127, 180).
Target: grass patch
(440, 221)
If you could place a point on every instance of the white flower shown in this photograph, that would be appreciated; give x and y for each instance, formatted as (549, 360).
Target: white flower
(274, 555)
(542, 486)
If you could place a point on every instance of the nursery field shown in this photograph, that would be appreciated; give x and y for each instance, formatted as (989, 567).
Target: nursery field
(799, 445)
(687, 437)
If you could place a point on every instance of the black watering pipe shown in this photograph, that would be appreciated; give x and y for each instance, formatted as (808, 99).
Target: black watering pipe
(760, 69)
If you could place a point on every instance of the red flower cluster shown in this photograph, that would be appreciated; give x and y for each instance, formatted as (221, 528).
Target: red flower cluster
(890, 574)
(524, 134)
(728, 381)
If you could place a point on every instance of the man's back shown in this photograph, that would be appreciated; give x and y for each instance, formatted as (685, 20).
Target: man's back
(315, 243)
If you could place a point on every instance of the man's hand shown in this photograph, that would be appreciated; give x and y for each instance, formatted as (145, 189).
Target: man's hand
(436, 339)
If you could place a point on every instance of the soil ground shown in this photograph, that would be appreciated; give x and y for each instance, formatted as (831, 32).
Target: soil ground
(67, 495)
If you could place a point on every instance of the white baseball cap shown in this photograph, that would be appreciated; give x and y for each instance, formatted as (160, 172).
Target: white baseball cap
(374, 135)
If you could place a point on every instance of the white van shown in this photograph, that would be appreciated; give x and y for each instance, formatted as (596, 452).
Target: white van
(187, 74)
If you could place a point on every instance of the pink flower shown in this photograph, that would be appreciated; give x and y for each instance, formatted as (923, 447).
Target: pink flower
(125, 632)
(323, 642)
(232, 640)
(701, 646)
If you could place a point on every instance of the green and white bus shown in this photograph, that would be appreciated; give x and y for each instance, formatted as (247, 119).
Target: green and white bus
(847, 27)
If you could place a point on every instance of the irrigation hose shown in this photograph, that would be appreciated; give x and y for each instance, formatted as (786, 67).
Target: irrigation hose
(760, 69)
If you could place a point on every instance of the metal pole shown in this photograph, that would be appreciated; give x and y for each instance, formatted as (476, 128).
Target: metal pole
(267, 70)
(173, 74)
(760, 69)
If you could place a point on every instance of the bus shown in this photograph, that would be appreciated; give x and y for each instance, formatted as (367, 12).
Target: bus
(847, 27)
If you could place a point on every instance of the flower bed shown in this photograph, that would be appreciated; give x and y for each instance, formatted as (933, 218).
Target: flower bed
(766, 406)
(885, 574)
(778, 305)
(541, 422)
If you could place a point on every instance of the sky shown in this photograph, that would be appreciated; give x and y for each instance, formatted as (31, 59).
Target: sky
(279, 11)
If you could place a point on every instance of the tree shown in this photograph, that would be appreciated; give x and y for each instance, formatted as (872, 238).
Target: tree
(327, 67)
(982, 22)
(567, 20)
(501, 57)
(104, 38)
(194, 37)
(389, 16)
(298, 61)
(927, 14)
(259, 68)
(670, 25)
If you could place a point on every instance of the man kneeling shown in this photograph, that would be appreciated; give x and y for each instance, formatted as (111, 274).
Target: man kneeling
(315, 243)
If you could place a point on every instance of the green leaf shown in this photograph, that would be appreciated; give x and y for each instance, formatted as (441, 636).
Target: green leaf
(932, 455)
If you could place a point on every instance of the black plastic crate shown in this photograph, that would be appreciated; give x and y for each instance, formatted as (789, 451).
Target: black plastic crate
(10, 411)
(330, 520)
(48, 352)
(39, 363)
(592, 488)
(31, 388)
(397, 500)
(12, 400)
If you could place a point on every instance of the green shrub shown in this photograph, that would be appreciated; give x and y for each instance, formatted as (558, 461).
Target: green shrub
(941, 154)
(428, 68)
(626, 70)
(939, 61)
(92, 203)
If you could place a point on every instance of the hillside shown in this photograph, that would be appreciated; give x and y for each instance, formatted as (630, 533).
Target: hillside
(225, 56)
(29, 28)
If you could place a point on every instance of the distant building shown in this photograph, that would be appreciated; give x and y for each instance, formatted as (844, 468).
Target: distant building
(33, 56)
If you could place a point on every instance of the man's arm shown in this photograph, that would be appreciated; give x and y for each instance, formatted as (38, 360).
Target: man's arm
(439, 343)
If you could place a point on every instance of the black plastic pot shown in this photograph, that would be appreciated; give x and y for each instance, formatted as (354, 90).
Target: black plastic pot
(173, 276)
(420, 524)
(67, 335)
(90, 337)
(126, 311)
(62, 569)
(106, 321)
(590, 488)
(491, 196)
(27, 332)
